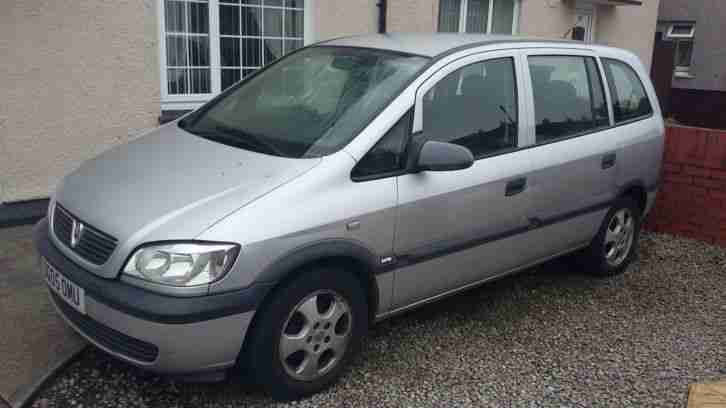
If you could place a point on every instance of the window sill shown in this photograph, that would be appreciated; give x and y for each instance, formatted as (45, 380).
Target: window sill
(182, 105)
(684, 75)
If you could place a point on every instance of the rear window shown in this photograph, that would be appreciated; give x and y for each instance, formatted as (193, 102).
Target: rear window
(628, 94)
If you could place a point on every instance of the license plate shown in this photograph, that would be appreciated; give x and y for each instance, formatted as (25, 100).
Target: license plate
(66, 290)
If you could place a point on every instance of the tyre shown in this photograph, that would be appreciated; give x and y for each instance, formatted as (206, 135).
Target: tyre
(615, 244)
(307, 333)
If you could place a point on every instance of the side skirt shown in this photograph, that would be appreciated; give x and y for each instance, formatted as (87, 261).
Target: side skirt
(422, 302)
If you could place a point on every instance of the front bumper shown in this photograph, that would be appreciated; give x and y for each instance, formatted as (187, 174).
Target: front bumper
(158, 332)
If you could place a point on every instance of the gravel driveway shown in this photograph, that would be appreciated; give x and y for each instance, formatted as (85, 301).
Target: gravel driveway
(550, 336)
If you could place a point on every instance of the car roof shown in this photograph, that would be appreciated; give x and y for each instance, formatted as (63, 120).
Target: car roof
(438, 44)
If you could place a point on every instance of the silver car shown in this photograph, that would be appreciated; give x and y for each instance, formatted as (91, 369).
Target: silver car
(349, 181)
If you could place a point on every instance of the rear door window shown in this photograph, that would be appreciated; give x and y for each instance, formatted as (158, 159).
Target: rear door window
(568, 96)
(628, 94)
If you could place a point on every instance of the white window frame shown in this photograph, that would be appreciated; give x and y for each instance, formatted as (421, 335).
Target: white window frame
(690, 35)
(464, 9)
(587, 10)
(682, 71)
(193, 101)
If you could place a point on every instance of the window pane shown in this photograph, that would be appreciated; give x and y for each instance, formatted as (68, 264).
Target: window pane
(229, 52)
(273, 22)
(682, 30)
(475, 107)
(562, 102)
(273, 50)
(292, 45)
(387, 155)
(276, 3)
(229, 20)
(248, 72)
(176, 51)
(176, 80)
(294, 3)
(629, 98)
(599, 105)
(449, 16)
(477, 15)
(199, 79)
(199, 51)
(503, 16)
(174, 12)
(251, 23)
(684, 53)
(294, 23)
(251, 52)
(255, 2)
(230, 77)
(187, 46)
(198, 18)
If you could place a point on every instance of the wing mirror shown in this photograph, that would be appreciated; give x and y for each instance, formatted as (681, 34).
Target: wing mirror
(440, 156)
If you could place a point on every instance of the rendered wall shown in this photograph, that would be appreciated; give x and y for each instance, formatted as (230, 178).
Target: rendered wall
(413, 16)
(629, 27)
(336, 18)
(546, 18)
(76, 77)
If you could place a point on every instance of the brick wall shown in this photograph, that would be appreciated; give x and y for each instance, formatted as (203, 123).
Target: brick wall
(692, 199)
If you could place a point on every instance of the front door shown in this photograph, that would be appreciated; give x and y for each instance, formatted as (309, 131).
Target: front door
(460, 227)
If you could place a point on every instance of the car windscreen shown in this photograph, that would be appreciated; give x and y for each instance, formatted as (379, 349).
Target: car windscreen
(309, 104)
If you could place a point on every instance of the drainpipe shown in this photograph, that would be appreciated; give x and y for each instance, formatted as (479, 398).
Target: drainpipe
(382, 11)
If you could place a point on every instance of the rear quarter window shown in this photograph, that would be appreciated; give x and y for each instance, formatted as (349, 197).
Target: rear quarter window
(630, 101)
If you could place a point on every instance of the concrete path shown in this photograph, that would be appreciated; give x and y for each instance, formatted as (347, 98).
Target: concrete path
(33, 339)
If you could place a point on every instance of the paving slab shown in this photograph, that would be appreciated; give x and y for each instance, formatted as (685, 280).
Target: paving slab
(707, 395)
(33, 339)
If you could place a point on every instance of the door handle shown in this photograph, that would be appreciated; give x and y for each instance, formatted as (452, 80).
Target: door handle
(515, 186)
(608, 160)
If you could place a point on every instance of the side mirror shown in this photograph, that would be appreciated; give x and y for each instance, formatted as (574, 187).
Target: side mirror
(439, 156)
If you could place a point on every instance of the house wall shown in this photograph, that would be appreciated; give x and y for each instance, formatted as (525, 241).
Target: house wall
(413, 16)
(546, 18)
(708, 65)
(336, 18)
(629, 27)
(76, 77)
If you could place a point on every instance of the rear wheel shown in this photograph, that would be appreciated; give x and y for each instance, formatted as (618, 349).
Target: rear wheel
(615, 245)
(307, 334)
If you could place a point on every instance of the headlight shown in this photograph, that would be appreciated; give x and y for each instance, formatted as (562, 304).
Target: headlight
(184, 264)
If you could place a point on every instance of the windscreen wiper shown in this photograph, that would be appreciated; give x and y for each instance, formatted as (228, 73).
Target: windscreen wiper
(249, 139)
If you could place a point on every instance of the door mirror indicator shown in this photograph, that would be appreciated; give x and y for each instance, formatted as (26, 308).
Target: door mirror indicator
(440, 156)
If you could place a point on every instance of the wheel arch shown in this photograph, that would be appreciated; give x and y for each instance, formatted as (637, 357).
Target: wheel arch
(637, 190)
(352, 255)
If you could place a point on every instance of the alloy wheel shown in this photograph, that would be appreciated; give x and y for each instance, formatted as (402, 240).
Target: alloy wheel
(315, 335)
(619, 237)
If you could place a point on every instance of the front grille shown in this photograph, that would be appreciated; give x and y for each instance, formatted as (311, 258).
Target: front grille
(93, 245)
(105, 336)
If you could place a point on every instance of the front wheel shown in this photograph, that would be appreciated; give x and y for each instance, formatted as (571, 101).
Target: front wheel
(615, 245)
(307, 333)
